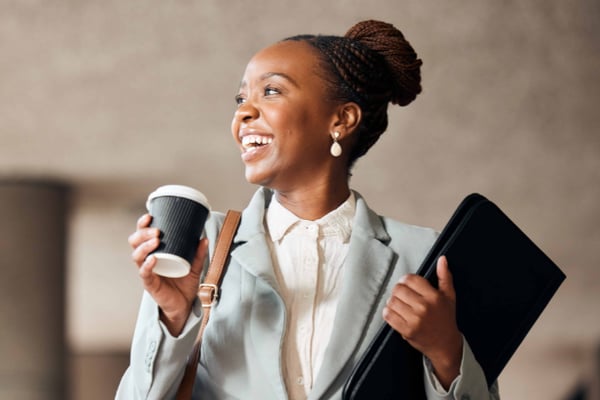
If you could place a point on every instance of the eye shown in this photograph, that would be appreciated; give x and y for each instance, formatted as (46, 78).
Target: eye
(240, 99)
(269, 91)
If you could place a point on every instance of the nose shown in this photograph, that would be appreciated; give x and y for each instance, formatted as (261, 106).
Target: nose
(246, 112)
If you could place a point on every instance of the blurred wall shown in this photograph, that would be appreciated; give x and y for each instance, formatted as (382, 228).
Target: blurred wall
(32, 290)
(117, 97)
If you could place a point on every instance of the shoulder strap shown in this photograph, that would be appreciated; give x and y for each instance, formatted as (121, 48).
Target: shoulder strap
(208, 293)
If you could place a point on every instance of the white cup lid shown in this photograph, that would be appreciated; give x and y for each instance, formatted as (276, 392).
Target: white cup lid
(170, 265)
(178, 191)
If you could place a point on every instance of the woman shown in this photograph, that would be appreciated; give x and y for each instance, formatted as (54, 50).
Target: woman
(314, 271)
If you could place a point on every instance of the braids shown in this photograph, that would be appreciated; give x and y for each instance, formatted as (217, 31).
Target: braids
(371, 65)
(401, 58)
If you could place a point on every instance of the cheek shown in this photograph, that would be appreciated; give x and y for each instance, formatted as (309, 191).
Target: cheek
(235, 127)
(305, 127)
(297, 122)
(279, 120)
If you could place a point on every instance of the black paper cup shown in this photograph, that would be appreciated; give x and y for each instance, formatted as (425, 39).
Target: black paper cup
(180, 213)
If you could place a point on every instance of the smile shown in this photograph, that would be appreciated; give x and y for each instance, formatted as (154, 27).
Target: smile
(250, 142)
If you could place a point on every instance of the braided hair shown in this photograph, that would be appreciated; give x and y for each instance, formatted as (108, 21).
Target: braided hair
(371, 65)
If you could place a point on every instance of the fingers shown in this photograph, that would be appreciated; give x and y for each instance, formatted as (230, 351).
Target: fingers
(445, 282)
(409, 289)
(149, 279)
(144, 221)
(144, 240)
(409, 304)
(140, 253)
(141, 235)
(417, 284)
(419, 312)
(402, 304)
(393, 315)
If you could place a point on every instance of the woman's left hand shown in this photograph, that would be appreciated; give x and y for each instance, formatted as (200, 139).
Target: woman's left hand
(426, 318)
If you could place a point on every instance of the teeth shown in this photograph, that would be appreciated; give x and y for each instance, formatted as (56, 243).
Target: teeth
(251, 141)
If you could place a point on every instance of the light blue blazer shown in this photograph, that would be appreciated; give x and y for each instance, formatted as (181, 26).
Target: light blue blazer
(241, 348)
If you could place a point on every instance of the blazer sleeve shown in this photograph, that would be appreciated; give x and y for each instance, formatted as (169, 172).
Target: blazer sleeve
(158, 359)
(469, 385)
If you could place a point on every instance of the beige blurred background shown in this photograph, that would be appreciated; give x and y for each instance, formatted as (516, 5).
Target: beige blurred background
(102, 101)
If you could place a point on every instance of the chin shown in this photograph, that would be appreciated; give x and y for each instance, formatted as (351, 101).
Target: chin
(256, 178)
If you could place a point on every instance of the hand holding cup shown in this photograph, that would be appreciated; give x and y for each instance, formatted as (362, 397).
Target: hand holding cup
(175, 285)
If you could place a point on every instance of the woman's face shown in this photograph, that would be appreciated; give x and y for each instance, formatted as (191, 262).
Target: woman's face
(283, 122)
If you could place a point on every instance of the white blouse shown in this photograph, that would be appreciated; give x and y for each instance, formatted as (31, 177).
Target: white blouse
(308, 257)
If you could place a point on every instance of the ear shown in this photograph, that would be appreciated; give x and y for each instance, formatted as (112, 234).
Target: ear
(347, 119)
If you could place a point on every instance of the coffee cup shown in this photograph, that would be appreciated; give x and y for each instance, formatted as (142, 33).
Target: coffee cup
(179, 212)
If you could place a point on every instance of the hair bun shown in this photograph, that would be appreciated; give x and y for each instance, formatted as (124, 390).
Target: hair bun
(401, 58)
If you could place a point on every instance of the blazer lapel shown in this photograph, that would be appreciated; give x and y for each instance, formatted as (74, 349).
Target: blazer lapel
(252, 251)
(267, 322)
(367, 269)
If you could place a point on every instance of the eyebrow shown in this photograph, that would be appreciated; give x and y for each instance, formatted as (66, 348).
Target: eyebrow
(268, 75)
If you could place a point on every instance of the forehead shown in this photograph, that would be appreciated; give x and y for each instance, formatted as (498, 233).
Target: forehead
(296, 59)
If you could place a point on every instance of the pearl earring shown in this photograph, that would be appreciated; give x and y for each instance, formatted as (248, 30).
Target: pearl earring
(336, 148)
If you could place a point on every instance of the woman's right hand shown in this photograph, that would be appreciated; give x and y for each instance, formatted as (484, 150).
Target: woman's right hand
(174, 296)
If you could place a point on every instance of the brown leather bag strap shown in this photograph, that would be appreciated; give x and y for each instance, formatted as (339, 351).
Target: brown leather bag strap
(208, 293)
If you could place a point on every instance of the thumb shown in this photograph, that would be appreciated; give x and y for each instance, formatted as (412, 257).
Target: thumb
(445, 283)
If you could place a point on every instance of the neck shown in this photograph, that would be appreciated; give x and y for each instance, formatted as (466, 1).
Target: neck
(314, 202)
